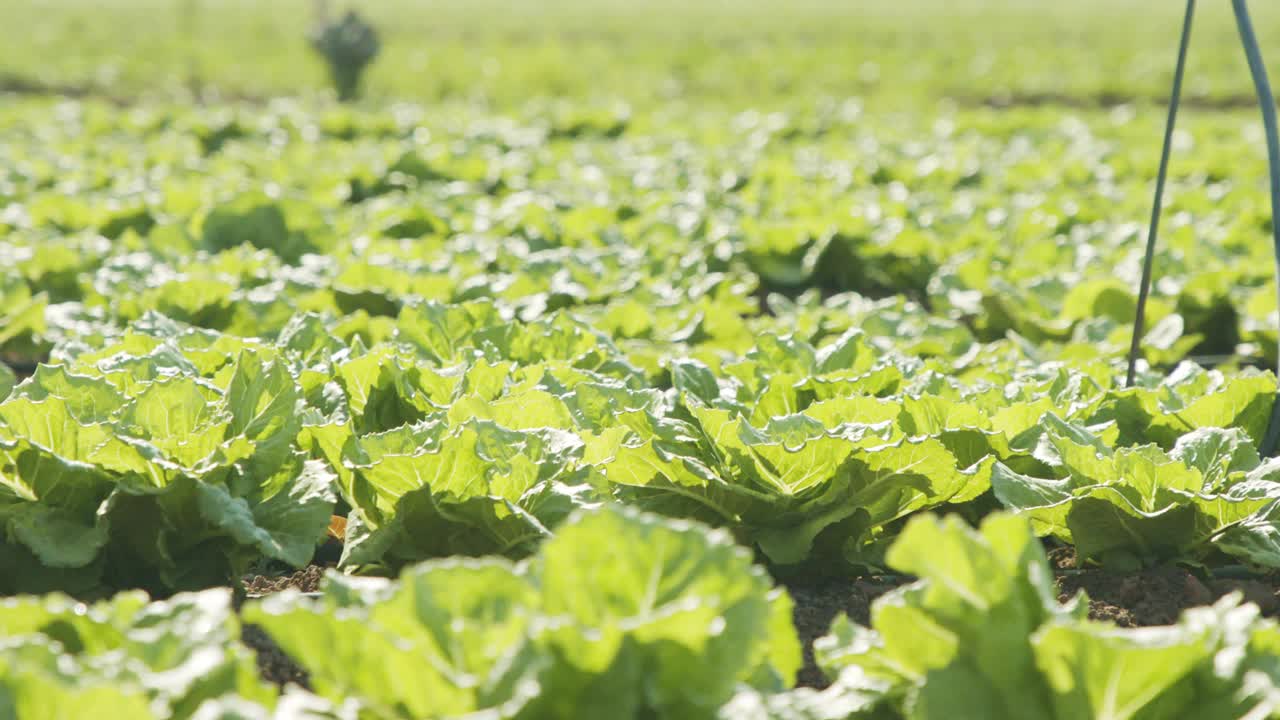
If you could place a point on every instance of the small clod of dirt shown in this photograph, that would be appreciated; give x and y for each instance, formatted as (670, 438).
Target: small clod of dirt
(306, 580)
(1061, 558)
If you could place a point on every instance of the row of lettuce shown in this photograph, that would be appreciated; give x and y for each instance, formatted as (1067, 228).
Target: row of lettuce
(629, 615)
(173, 458)
(236, 219)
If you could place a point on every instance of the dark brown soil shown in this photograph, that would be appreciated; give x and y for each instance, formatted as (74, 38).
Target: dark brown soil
(273, 664)
(305, 580)
(1158, 596)
(817, 605)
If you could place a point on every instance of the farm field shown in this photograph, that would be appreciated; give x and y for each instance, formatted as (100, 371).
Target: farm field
(657, 360)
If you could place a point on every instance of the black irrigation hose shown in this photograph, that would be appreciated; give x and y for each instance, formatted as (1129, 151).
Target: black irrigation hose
(1139, 320)
(1262, 86)
(1237, 572)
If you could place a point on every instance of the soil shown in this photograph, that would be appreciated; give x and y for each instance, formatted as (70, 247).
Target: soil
(273, 664)
(304, 580)
(816, 605)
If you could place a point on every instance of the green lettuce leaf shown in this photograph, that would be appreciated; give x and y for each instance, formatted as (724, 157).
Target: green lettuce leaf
(621, 613)
(160, 659)
(981, 635)
(1140, 505)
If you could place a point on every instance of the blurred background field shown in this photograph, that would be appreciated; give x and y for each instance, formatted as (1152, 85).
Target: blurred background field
(984, 158)
(765, 54)
(958, 149)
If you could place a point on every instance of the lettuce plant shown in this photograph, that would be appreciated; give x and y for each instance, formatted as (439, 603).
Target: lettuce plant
(144, 473)
(621, 614)
(1132, 506)
(126, 657)
(981, 635)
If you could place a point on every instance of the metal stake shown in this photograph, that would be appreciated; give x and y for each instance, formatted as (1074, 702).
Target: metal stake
(1139, 320)
(1262, 86)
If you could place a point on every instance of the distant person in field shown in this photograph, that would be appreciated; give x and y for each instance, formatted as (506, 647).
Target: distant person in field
(347, 45)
